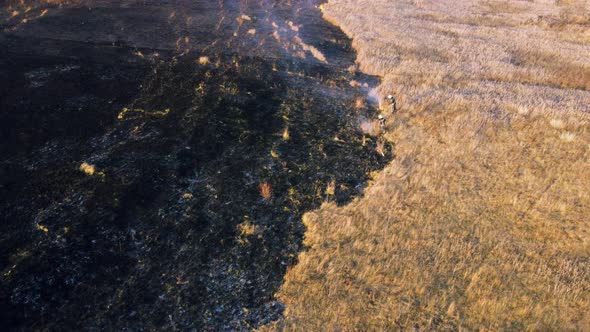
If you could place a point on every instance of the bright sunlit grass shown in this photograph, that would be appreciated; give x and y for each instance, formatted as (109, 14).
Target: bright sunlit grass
(482, 220)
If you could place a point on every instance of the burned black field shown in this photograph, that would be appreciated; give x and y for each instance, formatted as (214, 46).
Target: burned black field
(156, 159)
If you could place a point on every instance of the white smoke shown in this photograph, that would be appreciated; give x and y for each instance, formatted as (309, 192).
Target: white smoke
(373, 97)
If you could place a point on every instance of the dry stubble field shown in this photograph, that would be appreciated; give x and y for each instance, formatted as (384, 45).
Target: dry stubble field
(483, 219)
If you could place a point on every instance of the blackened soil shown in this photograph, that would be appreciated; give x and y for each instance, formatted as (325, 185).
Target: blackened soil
(169, 231)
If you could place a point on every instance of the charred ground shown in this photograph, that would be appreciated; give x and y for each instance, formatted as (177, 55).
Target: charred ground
(166, 227)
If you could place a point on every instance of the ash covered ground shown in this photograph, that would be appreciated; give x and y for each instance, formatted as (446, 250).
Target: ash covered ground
(135, 136)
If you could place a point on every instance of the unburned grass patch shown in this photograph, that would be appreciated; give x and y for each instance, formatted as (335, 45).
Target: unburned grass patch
(556, 71)
(481, 220)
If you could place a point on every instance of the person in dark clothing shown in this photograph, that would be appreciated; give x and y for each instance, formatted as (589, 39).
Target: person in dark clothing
(381, 122)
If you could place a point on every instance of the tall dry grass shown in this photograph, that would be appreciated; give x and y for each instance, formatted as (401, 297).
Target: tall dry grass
(482, 222)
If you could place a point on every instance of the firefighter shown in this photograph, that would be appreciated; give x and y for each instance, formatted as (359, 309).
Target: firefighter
(393, 103)
(381, 121)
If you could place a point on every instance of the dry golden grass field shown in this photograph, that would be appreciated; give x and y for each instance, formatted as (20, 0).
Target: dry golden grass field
(482, 221)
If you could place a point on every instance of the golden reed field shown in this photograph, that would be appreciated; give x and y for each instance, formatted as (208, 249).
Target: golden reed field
(482, 221)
